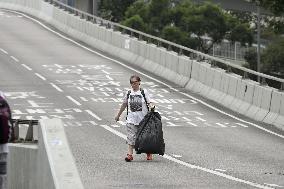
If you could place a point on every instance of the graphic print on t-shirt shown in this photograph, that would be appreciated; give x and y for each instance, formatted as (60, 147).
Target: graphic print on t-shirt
(135, 102)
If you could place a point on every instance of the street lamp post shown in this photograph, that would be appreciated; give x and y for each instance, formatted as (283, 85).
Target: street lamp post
(258, 40)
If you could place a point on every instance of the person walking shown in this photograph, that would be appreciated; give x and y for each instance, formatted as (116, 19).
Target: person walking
(137, 101)
(5, 135)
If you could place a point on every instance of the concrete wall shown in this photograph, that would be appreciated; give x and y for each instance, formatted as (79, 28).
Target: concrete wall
(46, 165)
(246, 97)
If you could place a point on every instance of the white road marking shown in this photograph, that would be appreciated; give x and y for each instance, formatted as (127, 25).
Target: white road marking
(191, 124)
(84, 99)
(220, 124)
(106, 94)
(80, 88)
(186, 119)
(109, 77)
(40, 76)
(199, 118)
(57, 65)
(73, 100)
(170, 124)
(168, 157)
(122, 122)
(5, 52)
(93, 123)
(115, 125)
(27, 67)
(141, 73)
(241, 125)
(93, 115)
(14, 58)
(56, 87)
(114, 131)
(274, 185)
(177, 156)
(222, 170)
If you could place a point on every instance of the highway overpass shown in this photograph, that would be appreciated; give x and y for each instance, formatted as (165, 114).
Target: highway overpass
(221, 130)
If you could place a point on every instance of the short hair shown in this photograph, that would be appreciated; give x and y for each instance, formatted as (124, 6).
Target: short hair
(136, 77)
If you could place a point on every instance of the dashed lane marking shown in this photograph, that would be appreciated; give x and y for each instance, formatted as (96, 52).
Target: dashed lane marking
(73, 100)
(40, 76)
(5, 52)
(14, 58)
(221, 125)
(27, 67)
(56, 87)
(93, 115)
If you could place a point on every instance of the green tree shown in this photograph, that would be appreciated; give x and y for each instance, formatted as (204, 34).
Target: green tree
(275, 6)
(114, 9)
(273, 57)
(136, 22)
(210, 20)
(251, 59)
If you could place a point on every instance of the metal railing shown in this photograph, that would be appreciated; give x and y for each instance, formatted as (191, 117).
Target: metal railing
(181, 50)
(16, 130)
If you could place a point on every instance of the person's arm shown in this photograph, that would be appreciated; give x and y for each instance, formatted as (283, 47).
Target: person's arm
(149, 100)
(122, 108)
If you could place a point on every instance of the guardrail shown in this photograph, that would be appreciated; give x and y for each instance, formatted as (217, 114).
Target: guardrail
(214, 61)
(29, 135)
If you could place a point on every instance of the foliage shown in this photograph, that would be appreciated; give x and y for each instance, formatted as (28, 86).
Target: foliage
(211, 21)
(273, 57)
(251, 59)
(113, 9)
(175, 34)
(135, 22)
(182, 21)
(275, 6)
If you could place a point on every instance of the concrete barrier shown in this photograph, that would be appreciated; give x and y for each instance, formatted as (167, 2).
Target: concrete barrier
(215, 91)
(46, 165)
(275, 106)
(208, 82)
(279, 121)
(248, 96)
(266, 93)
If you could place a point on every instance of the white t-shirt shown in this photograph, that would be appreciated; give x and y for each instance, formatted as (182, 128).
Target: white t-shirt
(137, 107)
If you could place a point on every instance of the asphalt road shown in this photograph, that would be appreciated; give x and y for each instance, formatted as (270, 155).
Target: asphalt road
(45, 75)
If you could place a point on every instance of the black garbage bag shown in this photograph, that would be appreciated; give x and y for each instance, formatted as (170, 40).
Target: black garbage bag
(149, 137)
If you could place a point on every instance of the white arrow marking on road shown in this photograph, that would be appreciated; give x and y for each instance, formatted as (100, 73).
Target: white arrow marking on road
(73, 100)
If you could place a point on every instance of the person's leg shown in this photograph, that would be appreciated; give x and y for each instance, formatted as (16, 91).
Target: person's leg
(131, 133)
(3, 170)
(130, 149)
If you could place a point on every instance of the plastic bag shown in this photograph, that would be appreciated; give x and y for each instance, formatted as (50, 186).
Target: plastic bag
(150, 135)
